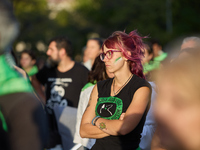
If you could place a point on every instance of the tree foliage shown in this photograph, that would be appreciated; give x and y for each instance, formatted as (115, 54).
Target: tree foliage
(104, 17)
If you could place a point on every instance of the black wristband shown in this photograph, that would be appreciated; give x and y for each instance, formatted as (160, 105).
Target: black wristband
(96, 120)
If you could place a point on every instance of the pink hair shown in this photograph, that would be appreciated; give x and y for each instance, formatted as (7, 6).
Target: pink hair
(131, 46)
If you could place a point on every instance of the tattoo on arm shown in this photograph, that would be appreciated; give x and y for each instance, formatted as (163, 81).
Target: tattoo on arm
(102, 126)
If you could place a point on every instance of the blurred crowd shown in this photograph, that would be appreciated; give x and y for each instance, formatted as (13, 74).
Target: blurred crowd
(41, 105)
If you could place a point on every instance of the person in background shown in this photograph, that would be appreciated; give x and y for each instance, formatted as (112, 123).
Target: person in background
(98, 73)
(92, 50)
(117, 108)
(150, 123)
(159, 55)
(147, 61)
(177, 109)
(23, 118)
(190, 42)
(63, 80)
(27, 62)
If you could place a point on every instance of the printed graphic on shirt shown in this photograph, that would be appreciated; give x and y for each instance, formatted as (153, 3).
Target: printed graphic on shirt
(109, 107)
(57, 93)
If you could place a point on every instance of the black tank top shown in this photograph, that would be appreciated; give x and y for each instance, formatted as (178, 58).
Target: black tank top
(109, 107)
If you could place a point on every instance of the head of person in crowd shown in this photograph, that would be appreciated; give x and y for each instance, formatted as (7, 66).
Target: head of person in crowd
(131, 48)
(27, 60)
(187, 52)
(98, 72)
(93, 49)
(177, 108)
(147, 62)
(190, 42)
(60, 49)
(8, 26)
(148, 54)
(156, 47)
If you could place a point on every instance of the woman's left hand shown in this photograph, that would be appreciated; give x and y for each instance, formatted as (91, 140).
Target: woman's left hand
(122, 116)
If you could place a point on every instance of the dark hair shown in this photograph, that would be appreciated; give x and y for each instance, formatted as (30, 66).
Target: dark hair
(98, 71)
(126, 43)
(30, 53)
(63, 42)
(99, 41)
(148, 47)
(156, 41)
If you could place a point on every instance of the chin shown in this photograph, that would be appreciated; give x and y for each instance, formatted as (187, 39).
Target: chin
(52, 63)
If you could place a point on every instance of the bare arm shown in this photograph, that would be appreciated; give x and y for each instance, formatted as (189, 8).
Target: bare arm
(132, 117)
(87, 130)
(122, 126)
(38, 88)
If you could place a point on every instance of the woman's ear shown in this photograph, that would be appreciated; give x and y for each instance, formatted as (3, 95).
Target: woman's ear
(129, 54)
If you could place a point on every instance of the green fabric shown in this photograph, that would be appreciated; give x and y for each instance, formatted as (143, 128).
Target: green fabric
(138, 148)
(88, 85)
(160, 57)
(3, 122)
(33, 71)
(149, 67)
(157, 60)
(10, 80)
(155, 64)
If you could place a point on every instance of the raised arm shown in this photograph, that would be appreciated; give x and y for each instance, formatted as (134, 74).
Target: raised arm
(87, 130)
(132, 116)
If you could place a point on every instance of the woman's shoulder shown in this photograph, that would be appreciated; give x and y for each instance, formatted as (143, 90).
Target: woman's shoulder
(104, 83)
(140, 82)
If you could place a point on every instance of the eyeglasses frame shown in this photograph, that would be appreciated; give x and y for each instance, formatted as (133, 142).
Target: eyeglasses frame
(105, 54)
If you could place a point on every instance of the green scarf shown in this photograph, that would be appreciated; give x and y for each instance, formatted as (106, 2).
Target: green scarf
(33, 71)
(10, 80)
(161, 57)
(88, 85)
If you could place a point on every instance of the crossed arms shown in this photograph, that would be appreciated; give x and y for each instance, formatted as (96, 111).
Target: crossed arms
(123, 126)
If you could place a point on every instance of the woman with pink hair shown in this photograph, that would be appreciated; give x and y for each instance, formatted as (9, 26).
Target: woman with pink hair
(117, 108)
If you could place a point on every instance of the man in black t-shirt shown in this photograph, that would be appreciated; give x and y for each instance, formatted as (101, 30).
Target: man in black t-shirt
(62, 88)
(63, 78)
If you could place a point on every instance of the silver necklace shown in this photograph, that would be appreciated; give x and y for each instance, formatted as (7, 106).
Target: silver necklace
(122, 85)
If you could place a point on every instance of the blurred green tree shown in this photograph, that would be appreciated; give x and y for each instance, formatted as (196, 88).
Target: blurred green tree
(86, 17)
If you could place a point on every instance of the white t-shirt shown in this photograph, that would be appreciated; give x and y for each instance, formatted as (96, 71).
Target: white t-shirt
(83, 102)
